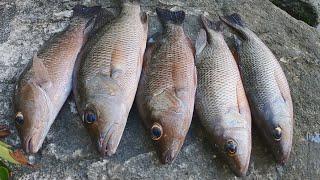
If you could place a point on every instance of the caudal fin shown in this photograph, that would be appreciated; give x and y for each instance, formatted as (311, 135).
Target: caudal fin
(167, 16)
(235, 22)
(208, 24)
(94, 17)
(84, 11)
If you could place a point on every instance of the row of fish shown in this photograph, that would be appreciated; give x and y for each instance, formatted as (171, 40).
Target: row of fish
(107, 64)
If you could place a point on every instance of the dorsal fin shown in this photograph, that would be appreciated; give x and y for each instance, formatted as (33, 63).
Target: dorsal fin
(175, 17)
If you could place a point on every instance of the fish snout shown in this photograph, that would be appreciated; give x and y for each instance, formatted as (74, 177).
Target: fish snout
(169, 151)
(108, 143)
(237, 150)
(168, 157)
(280, 139)
(240, 168)
(31, 144)
(283, 158)
(282, 152)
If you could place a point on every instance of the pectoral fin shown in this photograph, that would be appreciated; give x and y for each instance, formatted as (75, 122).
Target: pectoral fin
(284, 88)
(201, 41)
(41, 74)
(242, 101)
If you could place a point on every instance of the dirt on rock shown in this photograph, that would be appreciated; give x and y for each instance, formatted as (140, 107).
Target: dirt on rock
(67, 153)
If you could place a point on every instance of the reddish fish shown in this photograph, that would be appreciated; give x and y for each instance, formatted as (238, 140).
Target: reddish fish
(167, 86)
(44, 87)
(107, 77)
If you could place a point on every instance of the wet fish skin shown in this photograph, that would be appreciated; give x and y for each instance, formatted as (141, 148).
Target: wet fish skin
(107, 77)
(165, 96)
(267, 89)
(221, 104)
(45, 84)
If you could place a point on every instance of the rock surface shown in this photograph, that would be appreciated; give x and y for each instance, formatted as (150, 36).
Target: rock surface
(305, 10)
(67, 153)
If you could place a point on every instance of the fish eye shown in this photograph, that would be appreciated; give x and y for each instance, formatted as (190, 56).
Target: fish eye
(231, 147)
(89, 117)
(19, 118)
(156, 131)
(277, 133)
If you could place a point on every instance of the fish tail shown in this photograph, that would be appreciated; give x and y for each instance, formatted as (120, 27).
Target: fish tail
(175, 17)
(235, 22)
(86, 12)
(94, 17)
(208, 24)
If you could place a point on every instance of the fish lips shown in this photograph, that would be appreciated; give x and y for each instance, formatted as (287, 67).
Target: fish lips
(108, 142)
(32, 144)
(168, 149)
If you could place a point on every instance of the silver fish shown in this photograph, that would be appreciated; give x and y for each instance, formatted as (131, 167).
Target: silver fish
(267, 89)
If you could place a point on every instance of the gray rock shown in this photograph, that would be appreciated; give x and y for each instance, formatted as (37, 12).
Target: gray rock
(305, 10)
(68, 153)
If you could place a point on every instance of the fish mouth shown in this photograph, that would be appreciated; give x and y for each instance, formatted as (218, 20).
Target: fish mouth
(240, 167)
(31, 145)
(170, 151)
(108, 143)
(168, 157)
(282, 153)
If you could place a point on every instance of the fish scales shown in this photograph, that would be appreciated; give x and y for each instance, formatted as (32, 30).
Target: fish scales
(45, 85)
(218, 78)
(262, 63)
(221, 104)
(108, 76)
(60, 62)
(166, 91)
(168, 69)
(266, 87)
(119, 44)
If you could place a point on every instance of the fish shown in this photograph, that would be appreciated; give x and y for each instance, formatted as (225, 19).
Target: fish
(166, 91)
(266, 87)
(45, 83)
(221, 103)
(107, 76)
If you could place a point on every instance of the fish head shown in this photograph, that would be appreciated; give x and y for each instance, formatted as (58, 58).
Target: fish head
(277, 128)
(234, 141)
(32, 116)
(278, 133)
(104, 118)
(168, 132)
(236, 147)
